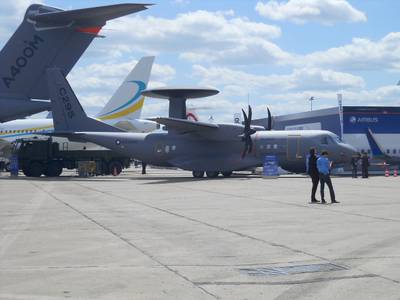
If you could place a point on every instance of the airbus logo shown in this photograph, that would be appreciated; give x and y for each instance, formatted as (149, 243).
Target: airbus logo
(354, 120)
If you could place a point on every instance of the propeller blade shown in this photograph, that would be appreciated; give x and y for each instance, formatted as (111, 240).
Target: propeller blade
(244, 117)
(247, 132)
(250, 145)
(269, 125)
(250, 114)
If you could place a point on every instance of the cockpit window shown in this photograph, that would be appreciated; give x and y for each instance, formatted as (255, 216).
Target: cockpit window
(338, 139)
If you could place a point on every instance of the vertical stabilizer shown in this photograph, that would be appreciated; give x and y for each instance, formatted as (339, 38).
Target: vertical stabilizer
(376, 149)
(68, 114)
(127, 101)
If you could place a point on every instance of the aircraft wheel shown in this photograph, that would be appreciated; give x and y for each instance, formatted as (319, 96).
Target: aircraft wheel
(8, 167)
(53, 169)
(198, 174)
(36, 169)
(212, 174)
(227, 174)
(115, 168)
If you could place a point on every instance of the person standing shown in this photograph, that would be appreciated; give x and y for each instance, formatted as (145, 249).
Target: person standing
(144, 165)
(324, 169)
(354, 165)
(364, 165)
(311, 167)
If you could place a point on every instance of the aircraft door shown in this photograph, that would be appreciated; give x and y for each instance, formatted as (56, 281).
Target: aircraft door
(294, 147)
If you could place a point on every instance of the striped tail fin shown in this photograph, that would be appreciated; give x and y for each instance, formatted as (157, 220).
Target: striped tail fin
(127, 101)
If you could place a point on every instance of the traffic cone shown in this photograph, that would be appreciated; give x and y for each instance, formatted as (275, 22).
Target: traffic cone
(395, 173)
(387, 173)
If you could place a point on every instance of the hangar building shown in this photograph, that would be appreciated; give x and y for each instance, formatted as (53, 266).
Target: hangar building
(352, 125)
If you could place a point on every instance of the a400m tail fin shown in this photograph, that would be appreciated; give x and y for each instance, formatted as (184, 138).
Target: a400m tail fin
(68, 114)
(50, 37)
(127, 101)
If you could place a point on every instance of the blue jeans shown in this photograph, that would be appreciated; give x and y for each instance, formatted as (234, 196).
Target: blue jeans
(325, 178)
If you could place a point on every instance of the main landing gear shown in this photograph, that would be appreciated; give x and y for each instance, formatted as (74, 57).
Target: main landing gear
(211, 174)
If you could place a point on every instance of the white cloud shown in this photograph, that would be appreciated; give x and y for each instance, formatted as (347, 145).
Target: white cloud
(326, 12)
(12, 14)
(95, 83)
(199, 35)
(361, 54)
(240, 83)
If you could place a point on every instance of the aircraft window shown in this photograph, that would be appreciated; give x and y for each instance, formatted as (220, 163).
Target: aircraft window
(324, 140)
(394, 151)
(369, 151)
(268, 146)
(167, 149)
(173, 148)
(338, 139)
(387, 151)
(275, 146)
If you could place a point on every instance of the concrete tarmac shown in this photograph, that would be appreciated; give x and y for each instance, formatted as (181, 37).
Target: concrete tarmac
(167, 236)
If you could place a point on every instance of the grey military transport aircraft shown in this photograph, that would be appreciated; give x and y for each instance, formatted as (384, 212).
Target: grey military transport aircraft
(196, 146)
(47, 37)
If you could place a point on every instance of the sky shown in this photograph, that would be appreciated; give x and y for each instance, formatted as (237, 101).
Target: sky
(271, 53)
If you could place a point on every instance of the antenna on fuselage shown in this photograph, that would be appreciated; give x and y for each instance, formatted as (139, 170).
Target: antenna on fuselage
(177, 97)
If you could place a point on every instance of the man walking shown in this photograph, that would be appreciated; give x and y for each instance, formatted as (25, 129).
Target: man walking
(364, 165)
(324, 169)
(312, 170)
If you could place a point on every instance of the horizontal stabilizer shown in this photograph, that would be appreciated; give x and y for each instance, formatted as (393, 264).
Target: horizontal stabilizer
(185, 126)
(11, 109)
(94, 15)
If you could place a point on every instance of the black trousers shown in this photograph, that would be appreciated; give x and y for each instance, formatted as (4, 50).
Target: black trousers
(326, 179)
(354, 172)
(364, 172)
(315, 181)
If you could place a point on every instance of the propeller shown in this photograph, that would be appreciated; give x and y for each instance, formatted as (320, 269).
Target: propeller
(247, 132)
(269, 124)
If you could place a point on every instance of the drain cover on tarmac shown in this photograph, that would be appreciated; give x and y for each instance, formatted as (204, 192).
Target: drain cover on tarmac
(290, 270)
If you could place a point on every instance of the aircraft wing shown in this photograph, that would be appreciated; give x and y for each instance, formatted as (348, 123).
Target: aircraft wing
(186, 126)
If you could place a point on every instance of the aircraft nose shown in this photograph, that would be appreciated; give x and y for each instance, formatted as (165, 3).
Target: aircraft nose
(347, 152)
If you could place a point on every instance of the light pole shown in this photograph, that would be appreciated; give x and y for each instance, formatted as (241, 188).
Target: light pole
(311, 101)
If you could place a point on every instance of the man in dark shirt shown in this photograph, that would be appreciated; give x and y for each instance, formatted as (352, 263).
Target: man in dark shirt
(364, 165)
(312, 170)
(354, 165)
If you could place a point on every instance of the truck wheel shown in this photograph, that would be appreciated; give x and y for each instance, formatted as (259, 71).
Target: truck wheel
(36, 169)
(53, 169)
(115, 168)
(227, 174)
(198, 174)
(212, 174)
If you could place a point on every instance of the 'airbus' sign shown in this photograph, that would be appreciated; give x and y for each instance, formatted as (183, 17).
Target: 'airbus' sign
(354, 119)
